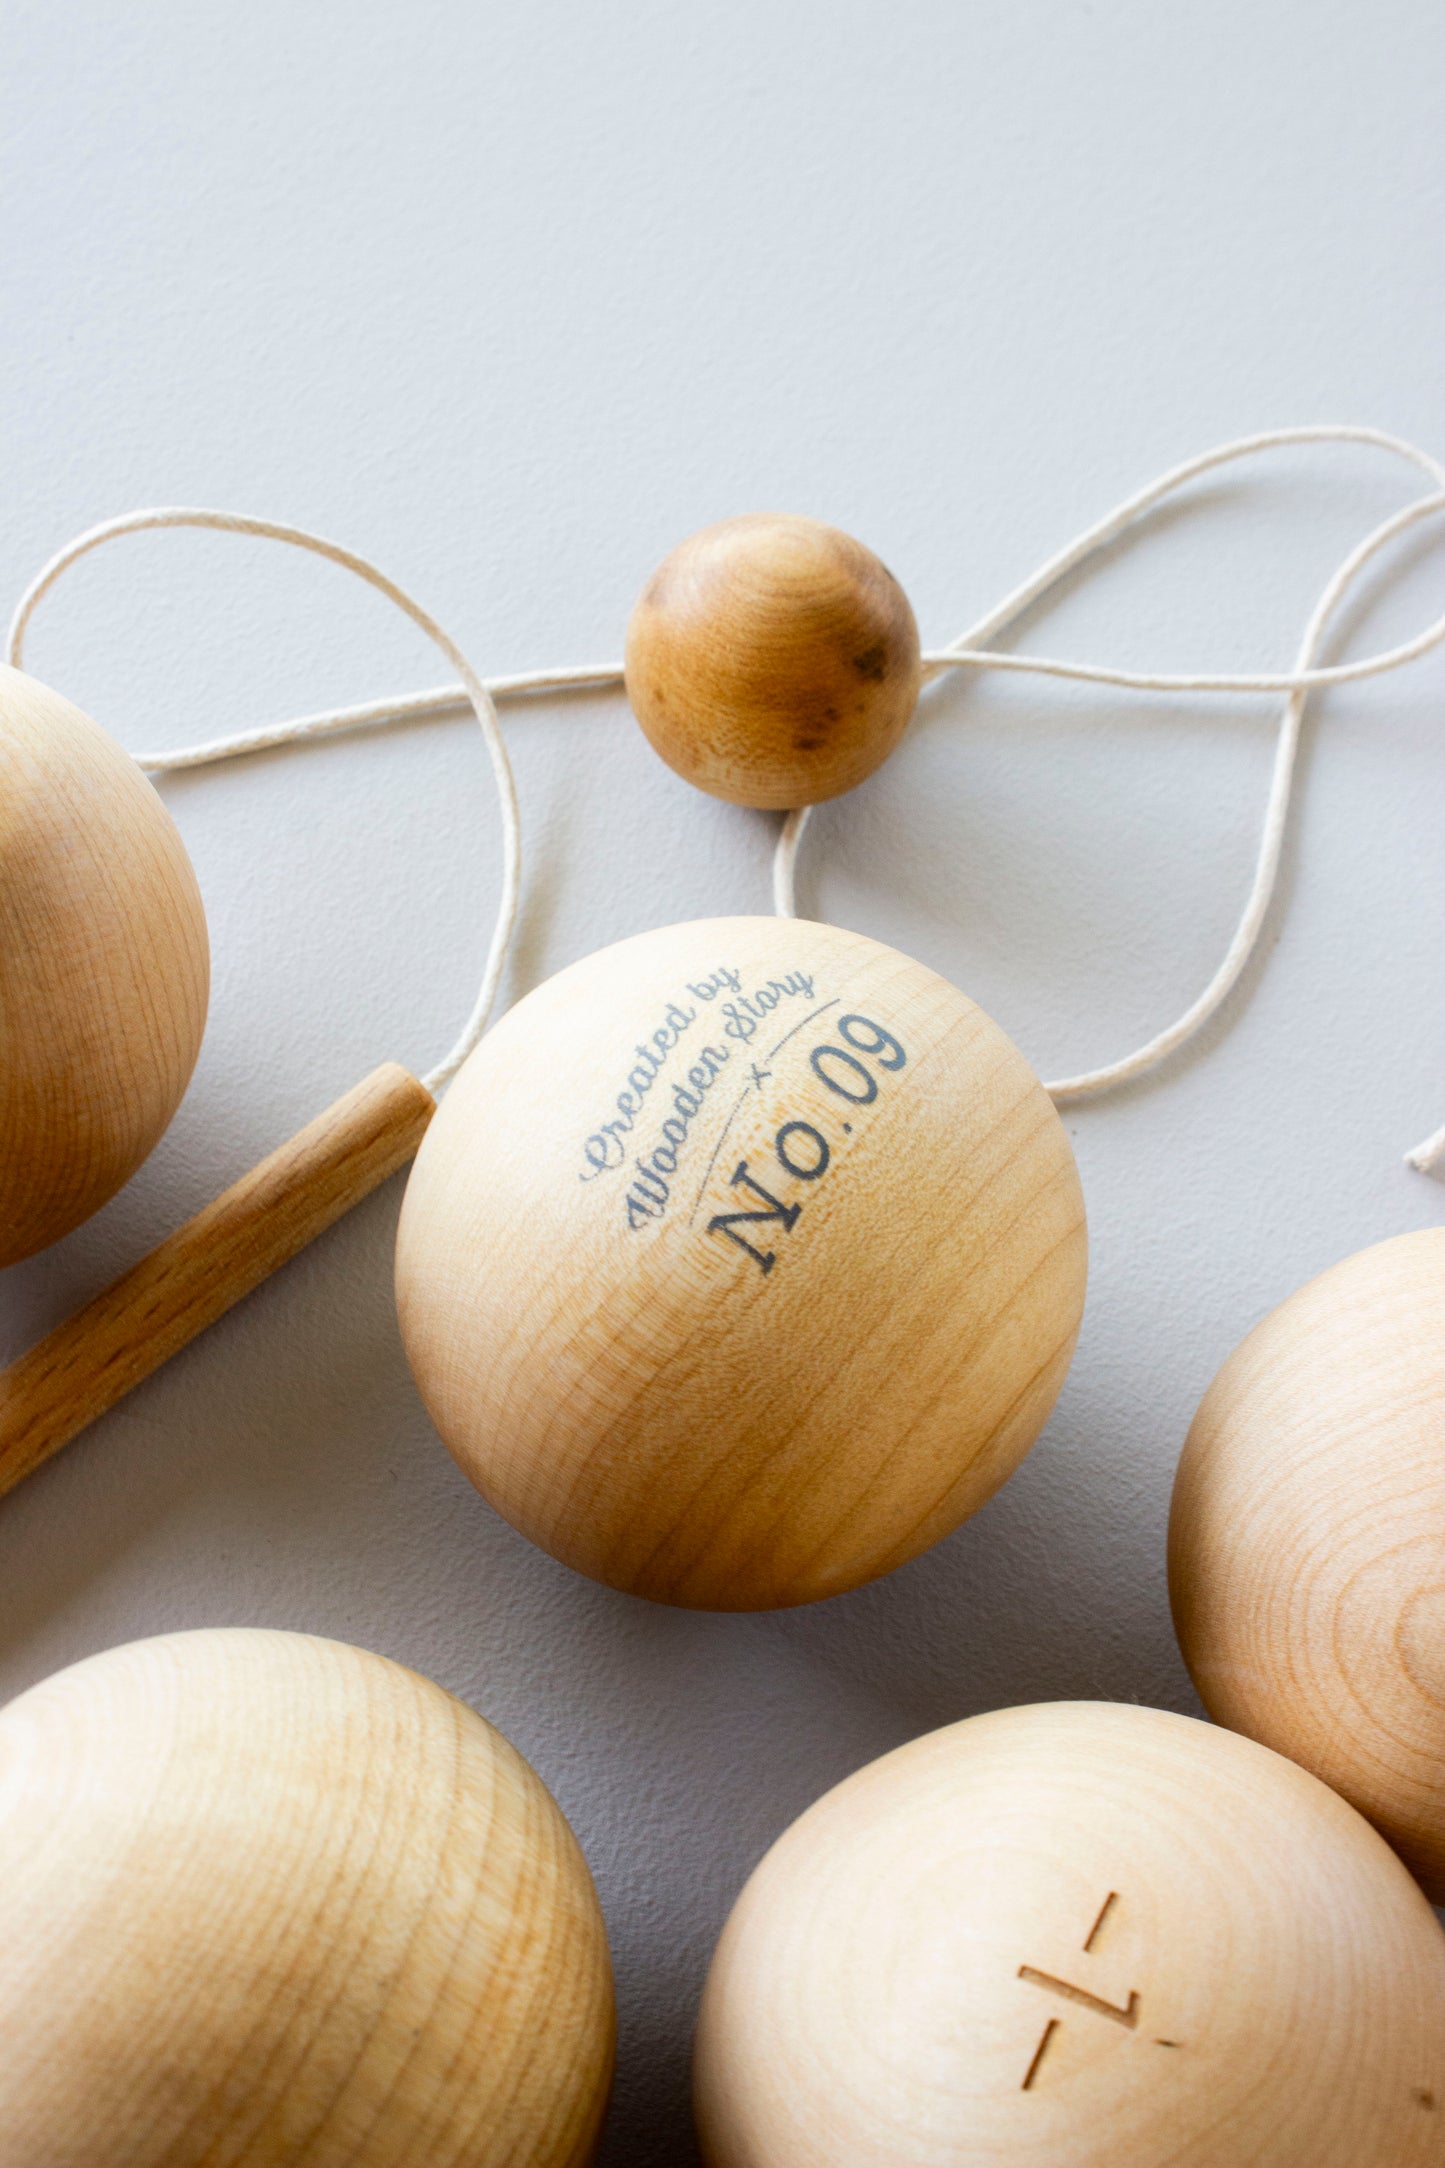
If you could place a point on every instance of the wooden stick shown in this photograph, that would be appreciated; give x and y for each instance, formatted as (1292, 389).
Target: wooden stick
(82, 1368)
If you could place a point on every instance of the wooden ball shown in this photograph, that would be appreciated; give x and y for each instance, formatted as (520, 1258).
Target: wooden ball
(1076, 1936)
(1307, 1540)
(104, 967)
(743, 1261)
(268, 1899)
(773, 661)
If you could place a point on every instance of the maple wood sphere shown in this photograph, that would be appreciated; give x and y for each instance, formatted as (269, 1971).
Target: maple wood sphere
(269, 1900)
(773, 661)
(742, 1262)
(1076, 1936)
(1307, 1540)
(104, 967)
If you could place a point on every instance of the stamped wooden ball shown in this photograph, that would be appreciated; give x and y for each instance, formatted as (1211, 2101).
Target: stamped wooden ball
(1076, 1936)
(104, 967)
(1307, 1540)
(268, 1899)
(773, 661)
(743, 1261)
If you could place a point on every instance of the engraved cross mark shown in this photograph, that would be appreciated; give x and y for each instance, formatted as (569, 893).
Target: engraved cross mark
(1125, 2014)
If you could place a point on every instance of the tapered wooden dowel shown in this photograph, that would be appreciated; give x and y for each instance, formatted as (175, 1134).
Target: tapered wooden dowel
(82, 1368)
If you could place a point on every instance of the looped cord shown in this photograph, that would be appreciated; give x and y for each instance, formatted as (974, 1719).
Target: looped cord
(970, 651)
(473, 690)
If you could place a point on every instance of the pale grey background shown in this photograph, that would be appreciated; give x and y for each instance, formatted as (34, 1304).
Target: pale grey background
(513, 297)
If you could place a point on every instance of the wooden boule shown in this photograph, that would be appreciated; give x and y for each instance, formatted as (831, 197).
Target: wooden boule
(743, 1261)
(773, 661)
(1307, 1539)
(1076, 1936)
(104, 966)
(271, 1900)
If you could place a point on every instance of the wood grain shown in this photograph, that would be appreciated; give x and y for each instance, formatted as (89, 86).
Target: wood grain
(743, 1261)
(86, 1364)
(271, 1900)
(1076, 1936)
(773, 661)
(1307, 1539)
(104, 967)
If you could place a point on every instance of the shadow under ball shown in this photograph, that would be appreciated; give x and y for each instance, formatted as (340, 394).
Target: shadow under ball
(1078, 1935)
(268, 1899)
(773, 661)
(1307, 1540)
(104, 967)
(743, 1261)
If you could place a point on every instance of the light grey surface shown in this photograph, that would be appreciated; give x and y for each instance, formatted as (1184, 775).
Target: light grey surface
(512, 298)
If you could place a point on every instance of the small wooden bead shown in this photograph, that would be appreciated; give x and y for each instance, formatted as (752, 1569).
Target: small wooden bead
(104, 967)
(1307, 1539)
(742, 1262)
(270, 1899)
(773, 661)
(1076, 1936)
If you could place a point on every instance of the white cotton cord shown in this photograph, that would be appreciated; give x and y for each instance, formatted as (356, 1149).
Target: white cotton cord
(1246, 935)
(472, 690)
(969, 651)
(1123, 515)
(379, 714)
(1143, 681)
(785, 860)
(1426, 1157)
